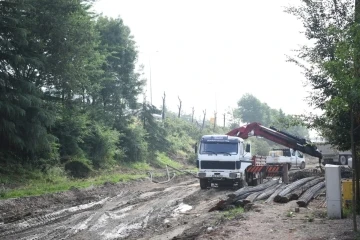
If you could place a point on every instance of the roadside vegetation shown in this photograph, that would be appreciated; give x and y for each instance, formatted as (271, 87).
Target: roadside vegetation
(70, 113)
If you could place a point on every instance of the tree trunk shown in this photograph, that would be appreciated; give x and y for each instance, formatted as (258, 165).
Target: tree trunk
(353, 148)
(281, 197)
(203, 123)
(179, 106)
(357, 176)
(192, 114)
(268, 192)
(224, 120)
(215, 113)
(310, 194)
(277, 191)
(258, 188)
(294, 195)
(163, 108)
(354, 167)
(251, 198)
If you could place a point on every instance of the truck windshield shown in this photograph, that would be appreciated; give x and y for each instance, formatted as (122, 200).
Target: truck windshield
(218, 147)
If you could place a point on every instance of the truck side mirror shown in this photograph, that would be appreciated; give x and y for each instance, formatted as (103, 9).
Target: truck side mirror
(247, 148)
(195, 147)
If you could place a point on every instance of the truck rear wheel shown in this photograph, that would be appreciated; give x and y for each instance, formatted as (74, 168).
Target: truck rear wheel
(343, 160)
(204, 183)
(302, 165)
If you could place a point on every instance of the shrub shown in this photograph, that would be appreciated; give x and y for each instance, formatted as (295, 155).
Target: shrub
(78, 169)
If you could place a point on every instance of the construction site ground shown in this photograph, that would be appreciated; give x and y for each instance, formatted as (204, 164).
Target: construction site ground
(175, 210)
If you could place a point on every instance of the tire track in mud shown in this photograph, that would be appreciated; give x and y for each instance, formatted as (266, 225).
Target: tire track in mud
(8, 230)
(131, 215)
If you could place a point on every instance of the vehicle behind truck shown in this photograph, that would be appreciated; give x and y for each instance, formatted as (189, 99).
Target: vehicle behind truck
(222, 160)
(332, 155)
(287, 156)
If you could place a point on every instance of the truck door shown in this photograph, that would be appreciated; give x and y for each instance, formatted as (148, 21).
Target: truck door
(297, 162)
(293, 158)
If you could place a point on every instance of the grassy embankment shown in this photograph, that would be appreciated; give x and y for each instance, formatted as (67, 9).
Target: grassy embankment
(21, 182)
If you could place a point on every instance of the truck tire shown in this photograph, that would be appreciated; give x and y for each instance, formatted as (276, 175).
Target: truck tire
(343, 160)
(204, 183)
(302, 165)
(289, 166)
(241, 183)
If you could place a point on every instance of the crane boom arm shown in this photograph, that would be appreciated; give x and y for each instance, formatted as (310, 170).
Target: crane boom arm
(279, 137)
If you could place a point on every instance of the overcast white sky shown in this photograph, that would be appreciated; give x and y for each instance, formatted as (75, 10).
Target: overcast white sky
(211, 52)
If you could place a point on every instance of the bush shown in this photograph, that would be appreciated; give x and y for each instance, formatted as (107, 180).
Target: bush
(133, 142)
(180, 134)
(78, 169)
(100, 146)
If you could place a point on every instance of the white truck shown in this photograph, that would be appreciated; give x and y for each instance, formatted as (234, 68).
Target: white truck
(227, 161)
(222, 159)
(289, 156)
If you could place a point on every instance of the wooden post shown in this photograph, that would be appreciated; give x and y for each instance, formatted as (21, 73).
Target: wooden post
(285, 177)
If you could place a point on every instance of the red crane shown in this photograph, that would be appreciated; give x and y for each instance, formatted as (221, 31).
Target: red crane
(277, 136)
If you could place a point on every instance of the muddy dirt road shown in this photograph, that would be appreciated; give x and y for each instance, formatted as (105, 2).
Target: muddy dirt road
(145, 210)
(140, 210)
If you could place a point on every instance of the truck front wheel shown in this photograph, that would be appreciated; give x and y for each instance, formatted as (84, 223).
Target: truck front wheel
(204, 183)
(241, 183)
(302, 165)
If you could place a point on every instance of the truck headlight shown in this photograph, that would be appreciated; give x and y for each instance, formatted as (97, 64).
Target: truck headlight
(232, 175)
(202, 175)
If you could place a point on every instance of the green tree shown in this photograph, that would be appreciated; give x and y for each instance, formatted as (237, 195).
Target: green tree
(250, 109)
(24, 117)
(334, 60)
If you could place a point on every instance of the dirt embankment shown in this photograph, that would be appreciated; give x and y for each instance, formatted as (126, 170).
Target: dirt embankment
(145, 210)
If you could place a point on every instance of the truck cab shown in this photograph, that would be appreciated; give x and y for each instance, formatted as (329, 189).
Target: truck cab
(291, 157)
(222, 159)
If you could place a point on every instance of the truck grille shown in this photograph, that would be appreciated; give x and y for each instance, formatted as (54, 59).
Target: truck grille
(219, 165)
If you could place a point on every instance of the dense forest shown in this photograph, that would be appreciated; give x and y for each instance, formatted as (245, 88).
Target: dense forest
(70, 93)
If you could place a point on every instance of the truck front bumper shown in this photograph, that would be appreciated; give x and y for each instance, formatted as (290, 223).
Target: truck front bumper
(220, 175)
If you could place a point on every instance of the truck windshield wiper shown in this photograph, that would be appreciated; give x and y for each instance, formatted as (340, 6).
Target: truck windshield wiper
(210, 152)
(226, 153)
